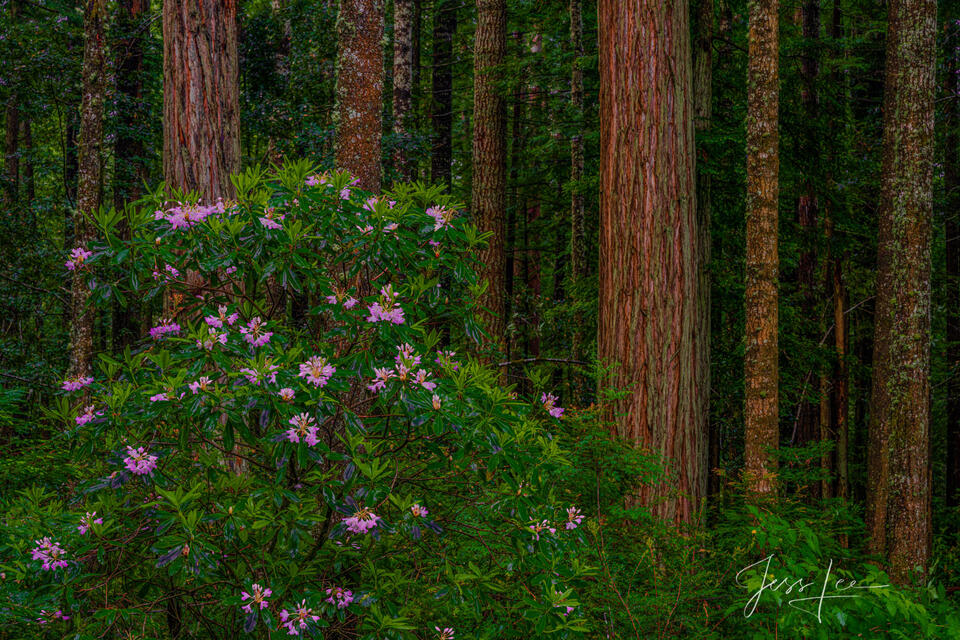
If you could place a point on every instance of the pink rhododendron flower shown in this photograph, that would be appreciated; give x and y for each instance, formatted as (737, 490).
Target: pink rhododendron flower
(87, 415)
(364, 230)
(213, 339)
(418, 511)
(549, 400)
(170, 272)
(382, 375)
(421, 379)
(445, 359)
(386, 309)
(222, 317)
(77, 259)
(258, 597)
(296, 622)
(442, 217)
(362, 521)
(47, 617)
(200, 385)
(312, 181)
(184, 216)
(49, 553)
(304, 429)
(139, 461)
(166, 326)
(407, 356)
(574, 518)
(539, 527)
(436, 402)
(445, 634)
(270, 217)
(317, 371)
(160, 397)
(256, 377)
(286, 394)
(76, 383)
(87, 520)
(339, 597)
(254, 333)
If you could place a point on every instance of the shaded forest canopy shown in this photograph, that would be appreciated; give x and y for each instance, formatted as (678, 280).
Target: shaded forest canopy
(578, 307)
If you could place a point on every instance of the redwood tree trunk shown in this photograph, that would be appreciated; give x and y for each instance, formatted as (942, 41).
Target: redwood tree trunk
(441, 113)
(402, 84)
(360, 90)
(201, 104)
(898, 500)
(90, 188)
(578, 235)
(490, 157)
(761, 374)
(650, 302)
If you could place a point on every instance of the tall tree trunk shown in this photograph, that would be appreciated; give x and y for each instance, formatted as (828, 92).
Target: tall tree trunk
(702, 117)
(808, 427)
(951, 165)
(841, 375)
(90, 187)
(402, 84)
(490, 157)
(650, 303)
(201, 104)
(441, 113)
(898, 500)
(360, 90)
(70, 160)
(761, 372)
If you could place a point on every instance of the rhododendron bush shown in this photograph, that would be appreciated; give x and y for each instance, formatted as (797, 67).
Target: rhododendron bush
(303, 442)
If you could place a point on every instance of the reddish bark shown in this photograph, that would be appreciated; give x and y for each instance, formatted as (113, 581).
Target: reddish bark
(650, 302)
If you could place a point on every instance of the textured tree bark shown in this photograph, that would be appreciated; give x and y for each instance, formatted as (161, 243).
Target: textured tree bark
(951, 170)
(201, 104)
(402, 84)
(650, 303)
(898, 491)
(490, 158)
(841, 376)
(90, 187)
(761, 375)
(702, 117)
(808, 427)
(70, 161)
(360, 90)
(441, 113)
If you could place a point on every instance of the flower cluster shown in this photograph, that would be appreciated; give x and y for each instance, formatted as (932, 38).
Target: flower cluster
(49, 553)
(76, 383)
(286, 394)
(77, 259)
(303, 429)
(47, 617)
(213, 339)
(406, 361)
(200, 385)
(445, 634)
(362, 521)
(87, 520)
(317, 371)
(539, 527)
(166, 326)
(221, 318)
(418, 511)
(349, 302)
(387, 309)
(442, 217)
(184, 216)
(574, 518)
(139, 461)
(89, 413)
(297, 621)
(258, 597)
(254, 377)
(255, 333)
(339, 597)
(270, 217)
(549, 404)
